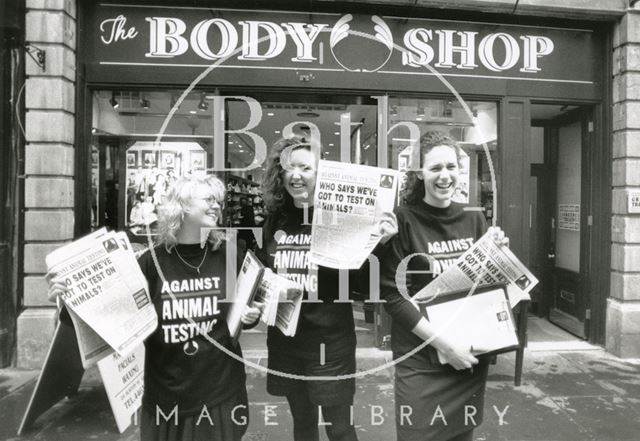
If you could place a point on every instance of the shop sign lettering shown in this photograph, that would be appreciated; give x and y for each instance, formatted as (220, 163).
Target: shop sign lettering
(305, 43)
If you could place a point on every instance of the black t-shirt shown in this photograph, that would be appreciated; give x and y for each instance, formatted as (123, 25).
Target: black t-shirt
(286, 248)
(182, 367)
(442, 233)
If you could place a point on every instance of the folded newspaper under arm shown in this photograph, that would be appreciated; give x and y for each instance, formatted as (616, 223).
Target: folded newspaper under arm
(282, 298)
(245, 290)
(481, 320)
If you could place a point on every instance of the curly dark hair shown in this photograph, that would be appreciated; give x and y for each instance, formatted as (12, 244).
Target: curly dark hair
(414, 191)
(277, 201)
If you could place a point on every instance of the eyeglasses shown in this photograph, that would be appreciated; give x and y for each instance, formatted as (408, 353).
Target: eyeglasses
(210, 200)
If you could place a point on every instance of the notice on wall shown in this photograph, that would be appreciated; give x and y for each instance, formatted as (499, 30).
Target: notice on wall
(349, 202)
(569, 217)
(123, 379)
(633, 204)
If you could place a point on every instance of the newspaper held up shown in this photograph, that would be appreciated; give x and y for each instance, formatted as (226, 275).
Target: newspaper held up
(486, 263)
(349, 202)
(107, 295)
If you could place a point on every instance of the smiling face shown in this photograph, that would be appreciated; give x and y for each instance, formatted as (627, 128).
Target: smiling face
(299, 175)
(204, 209)
(440, 173)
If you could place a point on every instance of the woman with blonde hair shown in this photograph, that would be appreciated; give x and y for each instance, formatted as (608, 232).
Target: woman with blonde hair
(186, 371)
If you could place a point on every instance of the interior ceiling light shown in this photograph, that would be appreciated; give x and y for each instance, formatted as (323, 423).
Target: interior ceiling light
(308, 114)
(113, 101)
(203, 105)
(144, 103)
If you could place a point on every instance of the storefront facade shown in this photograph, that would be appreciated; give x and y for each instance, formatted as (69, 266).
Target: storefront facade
(146, 93)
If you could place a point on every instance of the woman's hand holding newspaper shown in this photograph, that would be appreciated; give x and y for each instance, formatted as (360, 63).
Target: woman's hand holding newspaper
(498, 236)
(57, 287)
(251, 313)
(388, 226)
(457, 355)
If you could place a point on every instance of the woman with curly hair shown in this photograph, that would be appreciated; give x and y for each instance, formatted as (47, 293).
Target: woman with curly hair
(324, 325)
(433, 400)
(193, 390)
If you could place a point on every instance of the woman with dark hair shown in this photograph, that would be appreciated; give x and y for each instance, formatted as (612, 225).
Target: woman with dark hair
(193, 390)
(325, 340)
(433, 401)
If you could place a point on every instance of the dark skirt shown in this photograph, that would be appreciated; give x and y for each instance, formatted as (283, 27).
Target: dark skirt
(227, 421)
(320, 392)
(426, 398)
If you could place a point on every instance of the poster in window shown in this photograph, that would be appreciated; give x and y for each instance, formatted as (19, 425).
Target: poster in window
(132, 159)
(168, 159)
(149, 158)
(197, 160)
(461, 193)
(569, 217)
(403, 163)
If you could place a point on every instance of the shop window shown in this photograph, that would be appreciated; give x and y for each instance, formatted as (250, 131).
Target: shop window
(137, 151)
(410, 118)
(132, 167)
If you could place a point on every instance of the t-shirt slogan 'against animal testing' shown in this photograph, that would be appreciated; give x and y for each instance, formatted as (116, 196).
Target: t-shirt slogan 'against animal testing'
(445, 252)
(193, 298)
(291, 259)
(323, 320)
(192, 328)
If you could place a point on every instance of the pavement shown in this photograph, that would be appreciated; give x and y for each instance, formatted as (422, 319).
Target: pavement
(571, 391)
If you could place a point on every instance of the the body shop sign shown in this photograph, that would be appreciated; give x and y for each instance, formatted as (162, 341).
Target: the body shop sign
(358, 44)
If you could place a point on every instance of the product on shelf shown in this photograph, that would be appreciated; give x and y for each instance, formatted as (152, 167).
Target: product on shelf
(239, 188)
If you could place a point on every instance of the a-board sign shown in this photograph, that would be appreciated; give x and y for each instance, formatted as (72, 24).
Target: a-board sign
(60, 375)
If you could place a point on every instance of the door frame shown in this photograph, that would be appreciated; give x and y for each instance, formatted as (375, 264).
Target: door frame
(583, 115)
(595, 204)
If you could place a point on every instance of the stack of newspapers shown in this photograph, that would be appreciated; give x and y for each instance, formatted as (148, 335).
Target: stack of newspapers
(281, 297)
(108, 301)
(471, 301)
